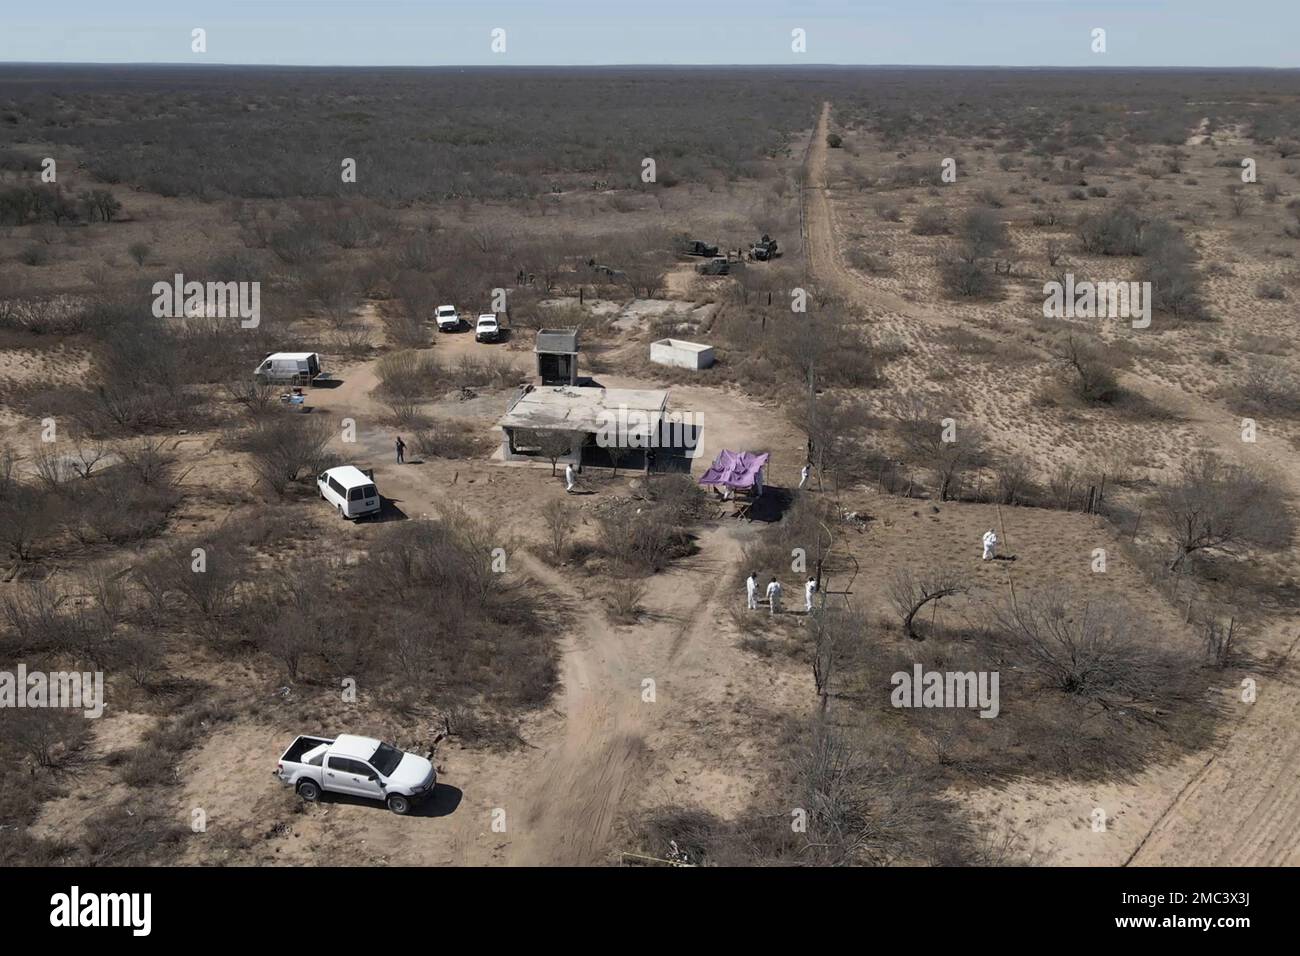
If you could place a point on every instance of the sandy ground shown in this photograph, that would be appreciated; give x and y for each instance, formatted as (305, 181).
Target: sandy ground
(1236, 805)
(601, 751)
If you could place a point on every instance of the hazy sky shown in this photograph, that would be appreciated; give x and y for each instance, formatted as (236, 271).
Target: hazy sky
(451, 32)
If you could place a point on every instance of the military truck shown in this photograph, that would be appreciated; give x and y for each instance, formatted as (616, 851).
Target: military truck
(696, 247)
(718, 266)
(764, 249)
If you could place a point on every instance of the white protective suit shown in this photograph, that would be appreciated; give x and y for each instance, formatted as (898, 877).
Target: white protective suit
(990, 544)
(809, 590)
(803, 475)
(568, 477)
(774, 597)
(751, 592)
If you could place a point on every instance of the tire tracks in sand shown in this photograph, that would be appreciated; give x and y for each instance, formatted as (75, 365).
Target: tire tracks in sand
(1242, 807)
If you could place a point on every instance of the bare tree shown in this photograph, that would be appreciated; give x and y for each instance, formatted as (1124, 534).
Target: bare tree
(1054, 251)
(910, 592)
(1014, 478)
(27, 514)
(617, 453)
(853, 817)
(148, 460)
(645, 274)
(333, 293)
(108, 586)
(1236, 200)
(87, 456)
(1088, 648)
(53, 469)
(208, 580)
(43, 732)
(257, 398)
(1214, 505)
(939, 443)
(560, 524)
(1094, 375)
(834, 632)
(1220, 639)
(140, 656)
(554, 445)
(285, 447)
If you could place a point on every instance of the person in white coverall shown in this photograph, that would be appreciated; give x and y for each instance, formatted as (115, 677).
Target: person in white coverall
(774, 597)
(803, 475)
(990, 544)
(751, 591)
(809, 590)
(568, 477)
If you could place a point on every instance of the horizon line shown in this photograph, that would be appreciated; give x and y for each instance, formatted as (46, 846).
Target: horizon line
(624, 66)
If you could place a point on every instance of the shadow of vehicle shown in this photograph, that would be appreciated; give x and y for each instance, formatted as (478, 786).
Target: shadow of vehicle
(443, 802)
(389, 511)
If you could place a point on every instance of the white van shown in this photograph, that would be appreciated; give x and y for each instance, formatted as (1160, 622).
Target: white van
(350, 490)
(288, 368)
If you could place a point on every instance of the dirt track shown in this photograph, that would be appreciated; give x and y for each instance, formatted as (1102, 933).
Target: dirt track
(1241, 807)
(600, 751)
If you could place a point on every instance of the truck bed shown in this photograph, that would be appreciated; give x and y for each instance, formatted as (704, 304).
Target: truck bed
(301, 746)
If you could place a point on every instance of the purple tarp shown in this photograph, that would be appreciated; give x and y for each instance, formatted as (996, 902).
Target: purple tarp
(735, 469)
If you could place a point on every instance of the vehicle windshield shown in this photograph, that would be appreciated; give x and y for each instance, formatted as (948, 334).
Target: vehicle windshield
(386, 759)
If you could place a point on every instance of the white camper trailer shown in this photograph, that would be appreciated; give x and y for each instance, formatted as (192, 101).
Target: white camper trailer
(288, 368)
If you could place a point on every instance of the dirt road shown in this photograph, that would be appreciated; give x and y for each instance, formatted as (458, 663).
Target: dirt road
(606, 747)
(1242, 806)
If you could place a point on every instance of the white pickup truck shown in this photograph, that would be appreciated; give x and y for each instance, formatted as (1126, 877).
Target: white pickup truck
(447, 317)
(358, 766)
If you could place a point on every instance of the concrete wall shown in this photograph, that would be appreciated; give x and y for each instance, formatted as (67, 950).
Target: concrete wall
(681, 354)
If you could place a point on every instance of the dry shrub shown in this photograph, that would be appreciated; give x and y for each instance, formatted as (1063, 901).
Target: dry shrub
(1213, 505)
(1265, 387)
(287, 447)
(446, 439)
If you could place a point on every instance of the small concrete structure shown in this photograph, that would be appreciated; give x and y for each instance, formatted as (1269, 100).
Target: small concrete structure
(557, 356)
(681, 354)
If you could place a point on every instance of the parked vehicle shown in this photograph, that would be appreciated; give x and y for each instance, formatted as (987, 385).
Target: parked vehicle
(764, 249)
(696, 247)
(358, 766)
(288, 368)
(487, 329)
(608, 272)
(350, 490)
(447, 317)
(720, 266)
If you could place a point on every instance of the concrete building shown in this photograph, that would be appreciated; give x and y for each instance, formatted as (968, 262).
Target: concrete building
(596, 426)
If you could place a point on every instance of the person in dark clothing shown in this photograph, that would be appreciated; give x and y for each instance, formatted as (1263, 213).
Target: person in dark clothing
(401, 451)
